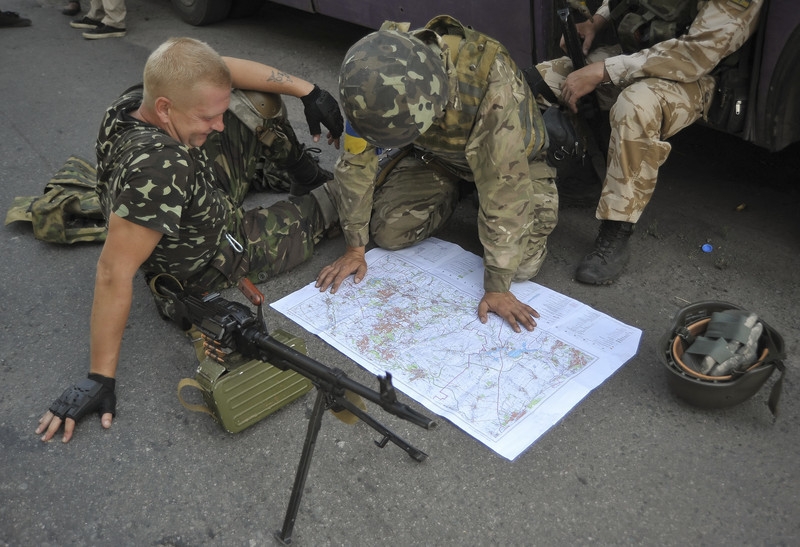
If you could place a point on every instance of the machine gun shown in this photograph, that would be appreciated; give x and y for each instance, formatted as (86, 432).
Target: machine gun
(232, 326)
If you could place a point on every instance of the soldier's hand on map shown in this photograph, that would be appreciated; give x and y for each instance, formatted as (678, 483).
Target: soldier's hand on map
(353, 261)
(506, 305)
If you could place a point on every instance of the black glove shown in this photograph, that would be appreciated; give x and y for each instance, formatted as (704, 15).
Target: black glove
(94, 393)
(321, 107)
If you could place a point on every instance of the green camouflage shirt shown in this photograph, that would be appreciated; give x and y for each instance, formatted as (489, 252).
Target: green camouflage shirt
(147, 177)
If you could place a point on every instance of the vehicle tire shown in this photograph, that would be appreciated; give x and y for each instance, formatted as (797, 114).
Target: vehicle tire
(202, 12)
(245, 8)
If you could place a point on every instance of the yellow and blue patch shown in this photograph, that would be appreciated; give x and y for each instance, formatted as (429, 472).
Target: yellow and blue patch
(353, 142)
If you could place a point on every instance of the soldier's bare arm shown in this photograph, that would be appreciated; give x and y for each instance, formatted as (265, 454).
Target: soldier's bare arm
(320, 106)
(127, 246)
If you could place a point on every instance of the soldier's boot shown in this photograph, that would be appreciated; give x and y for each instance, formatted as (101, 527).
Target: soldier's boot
(610, 255)
(306, 173)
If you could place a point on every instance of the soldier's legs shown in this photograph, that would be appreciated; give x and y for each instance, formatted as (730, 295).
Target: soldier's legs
(108, 12)
(544, 217)
(284, 163)
(273, 239)
(269, 241)
(643, 117)
(645, 114)
(414, 201)
(235, 152)
(283, 235)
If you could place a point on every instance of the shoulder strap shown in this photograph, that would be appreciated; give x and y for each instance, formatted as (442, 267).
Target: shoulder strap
(191, 382)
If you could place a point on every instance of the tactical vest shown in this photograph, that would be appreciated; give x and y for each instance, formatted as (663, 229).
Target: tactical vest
(644, 23)
(472, 55)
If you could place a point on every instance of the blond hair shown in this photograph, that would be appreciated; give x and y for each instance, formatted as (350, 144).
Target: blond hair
(180, 64)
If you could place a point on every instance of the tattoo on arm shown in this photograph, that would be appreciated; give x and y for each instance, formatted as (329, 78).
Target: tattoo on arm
(279, 76)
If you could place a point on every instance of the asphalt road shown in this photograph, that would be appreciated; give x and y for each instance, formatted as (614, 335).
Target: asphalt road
(630, 465)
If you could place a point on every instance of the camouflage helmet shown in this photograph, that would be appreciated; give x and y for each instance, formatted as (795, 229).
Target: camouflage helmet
(392, 88)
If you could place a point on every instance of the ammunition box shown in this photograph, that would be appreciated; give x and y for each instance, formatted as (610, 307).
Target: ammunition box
(241, 391)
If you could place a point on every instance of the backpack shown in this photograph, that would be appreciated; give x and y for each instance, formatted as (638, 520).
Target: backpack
(68, 211)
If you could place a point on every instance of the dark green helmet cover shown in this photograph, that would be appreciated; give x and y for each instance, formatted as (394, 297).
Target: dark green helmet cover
(392, 87)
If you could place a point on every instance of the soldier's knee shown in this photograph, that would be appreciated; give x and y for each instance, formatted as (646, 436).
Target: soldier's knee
(268, 105)
(262, 113)
(392, 240)
(638, 105)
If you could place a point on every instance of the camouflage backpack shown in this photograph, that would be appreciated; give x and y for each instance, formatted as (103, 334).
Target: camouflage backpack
(69, 209)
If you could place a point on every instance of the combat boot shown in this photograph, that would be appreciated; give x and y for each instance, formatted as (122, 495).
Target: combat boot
(306, 173)
(610, 255)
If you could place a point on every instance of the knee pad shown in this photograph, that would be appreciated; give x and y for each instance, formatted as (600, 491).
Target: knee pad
(268, 105)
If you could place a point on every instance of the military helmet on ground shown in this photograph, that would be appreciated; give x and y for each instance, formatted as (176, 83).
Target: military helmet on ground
(703, 390)
(392, 87)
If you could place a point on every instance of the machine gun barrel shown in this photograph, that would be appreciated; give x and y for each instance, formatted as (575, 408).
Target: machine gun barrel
(233, 325)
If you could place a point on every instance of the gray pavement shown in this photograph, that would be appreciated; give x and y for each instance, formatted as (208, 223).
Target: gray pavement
(630, 465)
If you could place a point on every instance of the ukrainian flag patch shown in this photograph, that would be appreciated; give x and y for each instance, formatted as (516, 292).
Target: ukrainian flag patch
(353, 143)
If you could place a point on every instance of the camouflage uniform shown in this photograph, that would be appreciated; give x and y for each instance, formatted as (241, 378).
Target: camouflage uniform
(194, 197)
(657, 92)
(491, 134)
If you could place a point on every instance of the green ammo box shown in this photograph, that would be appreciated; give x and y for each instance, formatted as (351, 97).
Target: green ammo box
(242, 391)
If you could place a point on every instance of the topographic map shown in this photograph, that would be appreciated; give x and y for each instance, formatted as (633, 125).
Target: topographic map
(414, 315)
